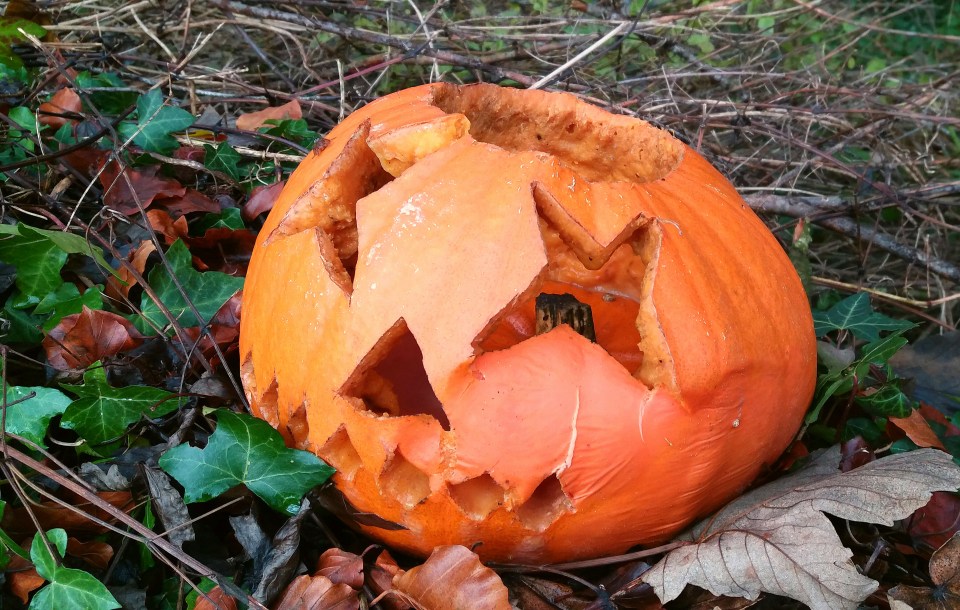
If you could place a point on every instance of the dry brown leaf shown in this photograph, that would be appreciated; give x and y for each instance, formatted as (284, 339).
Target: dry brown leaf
(190, 201)
(118, 196)
(172, 230)
(453, 577)
(918, 430)
(341, 567)
(317, 593)
(945, 574)
(95, 552)
(169, 506)
(216, 599)
(81, 339)
(379, 578)
(936, 522)
(64, 101)
(22, 578)
(224, 250)
(775, 539)
(18, 522)
(251, 121)
(262, 199)
(118, 288)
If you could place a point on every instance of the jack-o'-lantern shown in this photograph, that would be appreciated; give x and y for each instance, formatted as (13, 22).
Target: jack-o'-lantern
(389, 325)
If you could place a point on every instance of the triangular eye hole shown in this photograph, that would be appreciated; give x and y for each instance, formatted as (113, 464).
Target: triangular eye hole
(391, 380)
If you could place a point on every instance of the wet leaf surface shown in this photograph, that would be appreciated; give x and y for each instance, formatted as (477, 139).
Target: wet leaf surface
(245, 450)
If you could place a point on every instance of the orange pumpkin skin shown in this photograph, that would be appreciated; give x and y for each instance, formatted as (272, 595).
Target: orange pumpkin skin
(387, 325)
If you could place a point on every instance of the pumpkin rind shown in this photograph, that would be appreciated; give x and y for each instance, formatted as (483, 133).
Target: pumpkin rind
(542, 448)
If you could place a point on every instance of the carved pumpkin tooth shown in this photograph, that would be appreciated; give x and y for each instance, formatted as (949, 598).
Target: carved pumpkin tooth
(330, 203)
(402, 332)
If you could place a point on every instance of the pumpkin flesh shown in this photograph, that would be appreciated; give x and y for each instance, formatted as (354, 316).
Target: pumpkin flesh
(388, 325)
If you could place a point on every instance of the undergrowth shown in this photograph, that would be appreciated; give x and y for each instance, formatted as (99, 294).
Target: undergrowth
(131, 198)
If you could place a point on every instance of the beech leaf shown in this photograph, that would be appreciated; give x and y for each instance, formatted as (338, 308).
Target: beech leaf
(317, 593)
(147, 187)
(251, 121)
(81, 339)
(453, 577)
(65, 101)
(776, 538)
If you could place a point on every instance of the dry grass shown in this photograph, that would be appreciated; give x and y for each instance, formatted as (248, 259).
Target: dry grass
(819, 111)
(838, 121)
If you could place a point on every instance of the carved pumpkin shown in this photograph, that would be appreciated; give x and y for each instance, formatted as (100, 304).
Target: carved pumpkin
(388, 325)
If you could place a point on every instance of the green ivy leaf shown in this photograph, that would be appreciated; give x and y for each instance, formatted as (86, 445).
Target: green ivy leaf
(829, 385)
(109, 103)
(103, 412)
(702, 42)
(855, 314)
(24, 117)
(229, 218)
(39, 255)
(872, 430)
(37, 259)
(224, 158)
(68, 588)
(155, 123)
(766, 24)
(8, 545)
(887, 401)
(208, 291)
(66, 300)
(18, 327)
(10, 35)
(295, 130)
(878, 352)
(841, 381)
(245, 450)
(31, 417)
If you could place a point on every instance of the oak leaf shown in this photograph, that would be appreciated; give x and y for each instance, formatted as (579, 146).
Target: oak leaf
(22, 578)
(776, 538)
(94, 552)
(83, 338)
(190, 201)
